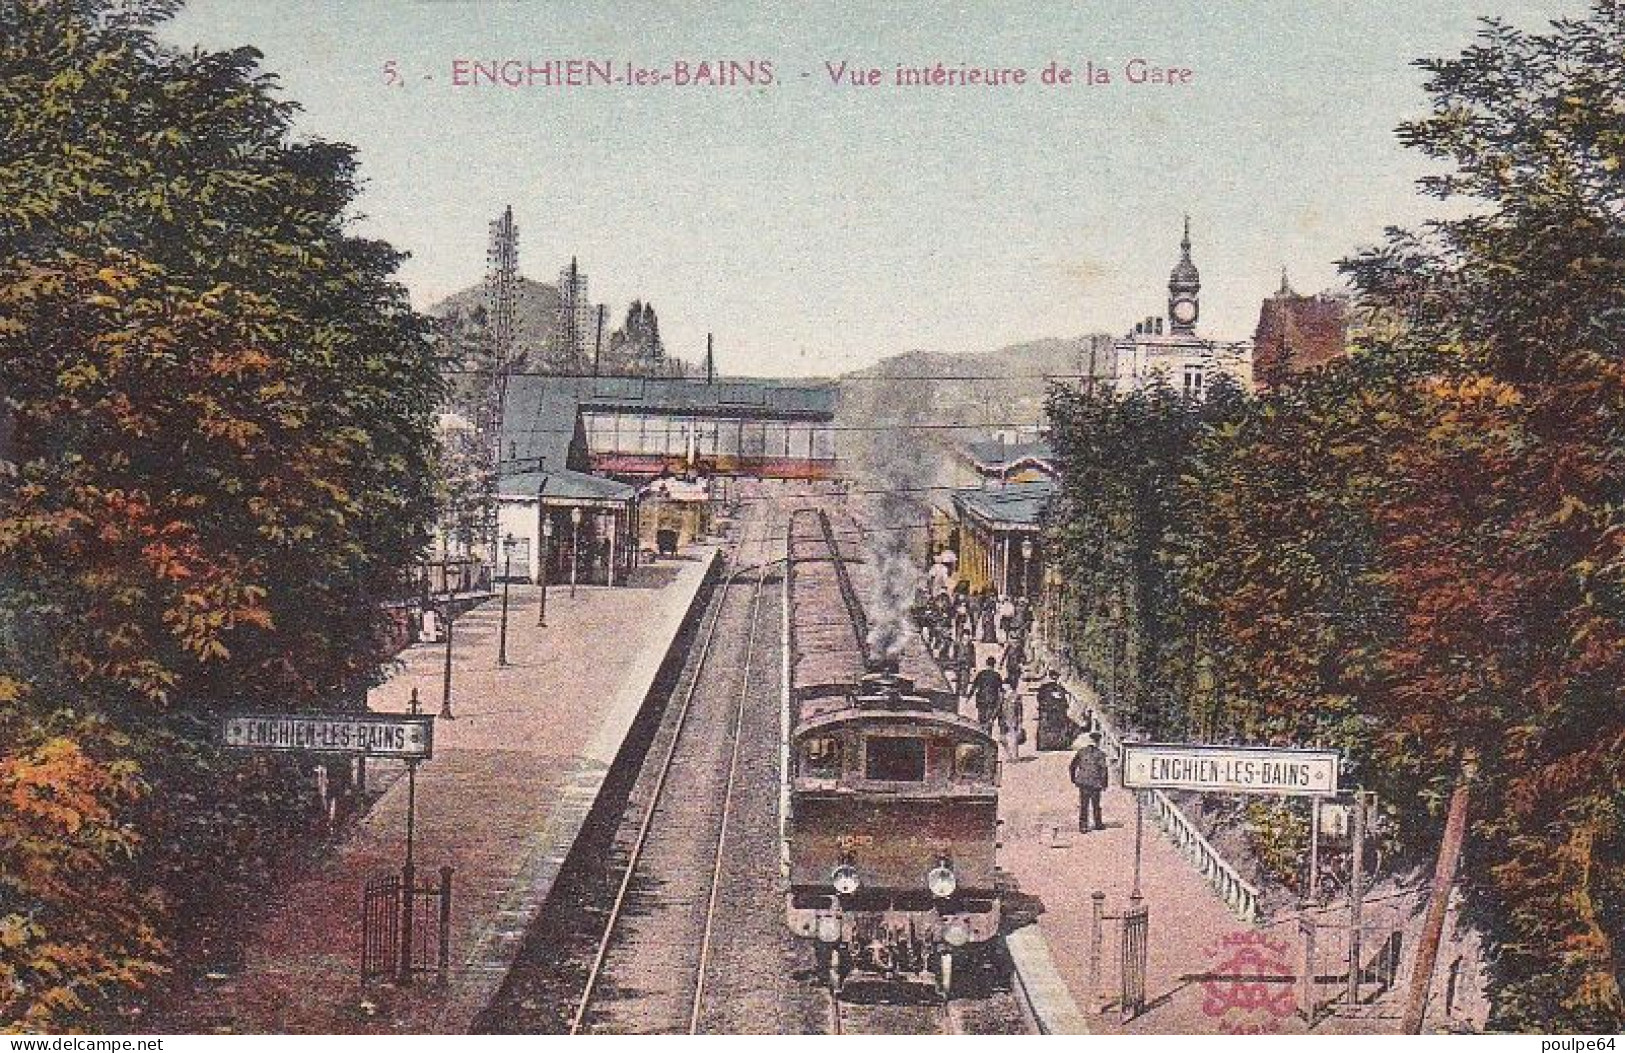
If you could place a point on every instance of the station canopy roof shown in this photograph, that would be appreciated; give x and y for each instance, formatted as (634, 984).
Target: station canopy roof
(996, 456)
(563, 487)
(1014, 507)
(724, 397)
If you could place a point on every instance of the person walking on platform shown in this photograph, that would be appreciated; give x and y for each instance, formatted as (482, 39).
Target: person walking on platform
(1056, 728)
(1015, 659)
(964, 664)
(1013, 717)
(986, 689)
(1090, 774)
(1007, 617)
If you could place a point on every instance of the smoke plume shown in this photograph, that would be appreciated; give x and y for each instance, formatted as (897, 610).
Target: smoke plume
(888, 463)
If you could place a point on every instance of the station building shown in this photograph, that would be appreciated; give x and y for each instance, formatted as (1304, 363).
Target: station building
(1170, 349)
(1000, 535)
(1297, 333)
(581, 452)
(637, 428)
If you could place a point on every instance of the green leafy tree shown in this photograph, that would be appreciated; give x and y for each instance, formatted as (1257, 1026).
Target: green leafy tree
(218, 419)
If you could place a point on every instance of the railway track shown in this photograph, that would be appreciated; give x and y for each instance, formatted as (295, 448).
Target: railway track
(878, 1017)
(653, 965)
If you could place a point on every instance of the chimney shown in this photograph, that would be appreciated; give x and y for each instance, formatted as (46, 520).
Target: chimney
(710, 361)
(598, 348)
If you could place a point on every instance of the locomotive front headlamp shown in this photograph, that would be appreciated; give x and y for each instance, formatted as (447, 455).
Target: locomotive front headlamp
(957, 933)
(845, 879)
(941, 881)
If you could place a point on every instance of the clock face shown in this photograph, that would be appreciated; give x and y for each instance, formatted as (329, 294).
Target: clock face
(1184, 311)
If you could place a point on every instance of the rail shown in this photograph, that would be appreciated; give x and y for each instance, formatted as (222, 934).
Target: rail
(668, 763)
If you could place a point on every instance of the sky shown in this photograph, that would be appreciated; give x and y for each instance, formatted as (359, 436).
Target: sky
(815, 228)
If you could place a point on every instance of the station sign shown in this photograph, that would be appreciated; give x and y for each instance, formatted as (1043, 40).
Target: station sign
(397, 735)
(1230, 769)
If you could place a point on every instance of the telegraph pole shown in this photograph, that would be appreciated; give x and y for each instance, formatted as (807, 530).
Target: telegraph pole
(501, 297)
(1444, 879)
(598, 345)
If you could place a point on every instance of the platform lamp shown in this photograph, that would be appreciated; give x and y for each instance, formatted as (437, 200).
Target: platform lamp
(547, 555)
(507, 578)
(575, 547)
(1026, 566)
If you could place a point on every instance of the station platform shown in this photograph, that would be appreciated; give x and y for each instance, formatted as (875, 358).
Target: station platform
(1192, 933)
(510, 784)
(1207, 971)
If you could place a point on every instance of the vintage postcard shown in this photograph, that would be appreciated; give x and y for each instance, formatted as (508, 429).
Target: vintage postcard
(604, 518)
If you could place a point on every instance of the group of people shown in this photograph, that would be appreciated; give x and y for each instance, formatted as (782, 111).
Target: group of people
(958, 626)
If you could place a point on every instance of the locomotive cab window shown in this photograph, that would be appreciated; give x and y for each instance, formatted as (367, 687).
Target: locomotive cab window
(972, 762)
(821, 758)
(894, 758)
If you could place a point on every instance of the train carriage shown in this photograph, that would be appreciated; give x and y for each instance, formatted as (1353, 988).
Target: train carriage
(892, 794)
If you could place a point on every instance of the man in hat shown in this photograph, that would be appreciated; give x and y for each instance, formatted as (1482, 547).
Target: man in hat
(987, 688)
(1090, 774)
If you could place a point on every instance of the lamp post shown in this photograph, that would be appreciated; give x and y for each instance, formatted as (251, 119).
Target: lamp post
(507, 576)
(445, 689)
(575, 547)
(547, 555)
(1026, 566)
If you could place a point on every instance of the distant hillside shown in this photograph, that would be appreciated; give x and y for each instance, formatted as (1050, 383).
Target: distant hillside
(536, 310)
(986, 391)
(536, 325)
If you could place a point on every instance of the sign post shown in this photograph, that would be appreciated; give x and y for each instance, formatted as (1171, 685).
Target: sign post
(1230, 769)
(402, 736)
(405, 736)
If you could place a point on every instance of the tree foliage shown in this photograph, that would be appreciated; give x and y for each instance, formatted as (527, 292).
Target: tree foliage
(217, 417)
(1418, 554)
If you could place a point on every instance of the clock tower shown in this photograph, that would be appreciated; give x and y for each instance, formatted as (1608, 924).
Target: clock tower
(1183, 286)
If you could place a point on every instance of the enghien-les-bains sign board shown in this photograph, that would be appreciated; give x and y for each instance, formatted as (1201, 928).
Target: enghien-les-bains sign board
(369, 734)
(1230, 769)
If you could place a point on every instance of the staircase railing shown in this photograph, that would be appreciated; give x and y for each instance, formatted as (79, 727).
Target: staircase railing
(1238, 894)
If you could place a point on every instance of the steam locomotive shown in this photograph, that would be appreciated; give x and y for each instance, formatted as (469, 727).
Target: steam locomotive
(891, 795)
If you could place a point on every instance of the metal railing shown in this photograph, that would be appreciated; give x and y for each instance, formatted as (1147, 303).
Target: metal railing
(1240, 896)
(1133, 954)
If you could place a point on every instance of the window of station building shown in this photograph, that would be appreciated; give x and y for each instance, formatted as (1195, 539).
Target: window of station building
(972, 762)
(705, 437)
(1193, 381)
(677, 432)
(823, 443)
(894, 758)
(821, 758)
(728, 438)
(600, 428)
(752, 438)
(797, 440)
(775, 441)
